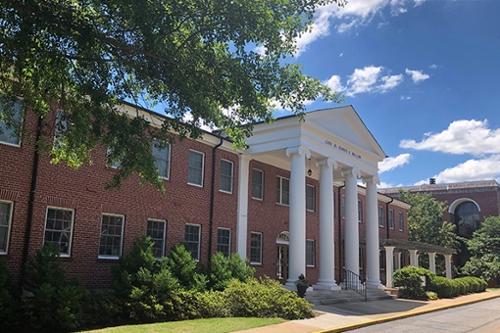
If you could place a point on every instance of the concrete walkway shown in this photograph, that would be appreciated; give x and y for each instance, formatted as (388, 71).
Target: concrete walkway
(348, 316)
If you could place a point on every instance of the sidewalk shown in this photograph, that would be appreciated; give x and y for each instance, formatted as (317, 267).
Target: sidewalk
(348, 316)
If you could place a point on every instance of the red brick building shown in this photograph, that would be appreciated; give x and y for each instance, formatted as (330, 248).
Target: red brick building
(94, 226)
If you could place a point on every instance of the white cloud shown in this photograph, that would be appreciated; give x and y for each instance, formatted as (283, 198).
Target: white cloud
(473, 169)
(461, 137)
(363, 80)
(391, 163)
(390, 82)
(418, 2)
(335, 83)
(417, 75)
(341, 54)
(433, 66)
(404, 98)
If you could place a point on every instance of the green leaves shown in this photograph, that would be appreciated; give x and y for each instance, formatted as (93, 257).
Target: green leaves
(182, 56)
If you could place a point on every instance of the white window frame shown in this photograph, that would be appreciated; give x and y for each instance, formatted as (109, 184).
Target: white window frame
(314, 198)
(18, 145)
(232, 176)
(230, 235)
(401, 221)
(202, 168)
(280, 202)
(9, 225)
(164, 232)
(70, 245)
(262, 185)
(384, 217)
(106, 257)
(314, 257)
(391, 215)
(169, 145)
(199, 238)
(256, 263)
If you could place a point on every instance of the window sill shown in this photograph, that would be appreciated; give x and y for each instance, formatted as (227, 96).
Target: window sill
(310, 266)
(258, 199)
(195, 185)
(282, 205)
(256, 263)
(225, 192)
(11, 144)
(108, 258)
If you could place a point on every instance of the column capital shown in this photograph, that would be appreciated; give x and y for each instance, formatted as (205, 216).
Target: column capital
(327, 162)
(371, 179)
(448, 256)
(431, 253)
(350, 172)
(298, 150)
(389, 247)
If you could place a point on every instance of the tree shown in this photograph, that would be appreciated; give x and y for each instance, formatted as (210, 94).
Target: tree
(484, 247)
(426, 223)
(197, 60)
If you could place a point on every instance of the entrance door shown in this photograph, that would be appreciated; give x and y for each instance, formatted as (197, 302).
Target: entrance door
(282, 262)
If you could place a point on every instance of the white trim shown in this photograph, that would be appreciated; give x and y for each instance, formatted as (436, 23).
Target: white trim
(280, 202)
(256, 263)
(401, 218)
(164, 232)
(262, 185)
(232, 176)
(314, 198)
(202, 168)
(389, 219)
(199, 238)
(230, 235)
(314, 242)
(62, 255)
(457, 202)
(9, 224)
(107, 257)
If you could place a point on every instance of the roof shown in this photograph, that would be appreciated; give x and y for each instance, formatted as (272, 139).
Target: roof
(441, 187)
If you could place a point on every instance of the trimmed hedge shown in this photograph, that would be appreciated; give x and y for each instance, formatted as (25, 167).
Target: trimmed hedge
(447, 288)
(411, 280)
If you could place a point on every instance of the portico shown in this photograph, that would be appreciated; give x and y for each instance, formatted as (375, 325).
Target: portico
(334, 147)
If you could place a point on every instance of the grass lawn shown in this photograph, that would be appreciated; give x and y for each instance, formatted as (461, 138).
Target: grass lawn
(212, 325)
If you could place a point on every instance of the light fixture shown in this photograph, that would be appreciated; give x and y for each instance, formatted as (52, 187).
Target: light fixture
(309, 172)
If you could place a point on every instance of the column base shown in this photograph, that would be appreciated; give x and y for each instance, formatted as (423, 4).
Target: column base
(374, 285)
(326, 285)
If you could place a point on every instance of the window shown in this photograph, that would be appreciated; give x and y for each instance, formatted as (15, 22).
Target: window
(5, 221)
(391, 218)
(156, 230)
(467, 218)
(283, 191)
(342, 206)
(11, 125)
(60, 128)
(381, 216)
(110, 246)
(310, 253)
(112, 161)
(310, 198)
(257, 184)
(224, 241)
(162, 159)
(226, 176)
(256, 248)
(195, 168)
(360, 211)
(192, 240)
(59, 229)
(401, 221)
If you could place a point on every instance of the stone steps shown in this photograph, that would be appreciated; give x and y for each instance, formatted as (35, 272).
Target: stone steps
(330, 297)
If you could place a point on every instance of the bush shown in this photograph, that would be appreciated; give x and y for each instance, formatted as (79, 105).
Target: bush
(447, 288)
(224, 269)
(265, 298)
(410, 281)
(8, 302)
(431, 296)
(52, 302)
(184, 268)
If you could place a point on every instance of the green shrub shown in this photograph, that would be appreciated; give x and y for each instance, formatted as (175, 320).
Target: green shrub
(265, 298)
(8, 302)
(184, 268)
(447, 288)
(52, 302)
(410, 280)
(431, 296)
(224, 269)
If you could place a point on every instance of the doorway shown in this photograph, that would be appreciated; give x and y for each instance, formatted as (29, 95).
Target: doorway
(282, 256)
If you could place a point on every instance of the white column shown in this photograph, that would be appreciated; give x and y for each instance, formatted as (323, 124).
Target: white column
(413, 258)
(242, 222)
(297, 215)
(432, 261)
(389, 265)
(351, 239)
(398, 260)
(372, 234)
(447, 263)
(326, 232)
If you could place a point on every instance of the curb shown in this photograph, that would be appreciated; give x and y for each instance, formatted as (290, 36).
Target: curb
(403, 315)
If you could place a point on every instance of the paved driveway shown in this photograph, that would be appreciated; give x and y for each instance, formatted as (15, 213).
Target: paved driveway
(481, 317)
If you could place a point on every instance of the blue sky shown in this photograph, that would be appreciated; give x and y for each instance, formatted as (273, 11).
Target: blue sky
(423, 75)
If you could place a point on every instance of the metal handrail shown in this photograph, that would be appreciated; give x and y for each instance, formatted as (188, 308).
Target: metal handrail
(352, 281)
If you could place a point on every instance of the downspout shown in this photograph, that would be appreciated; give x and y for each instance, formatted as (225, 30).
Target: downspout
(339, 200)
(211, 209)
(31, 202)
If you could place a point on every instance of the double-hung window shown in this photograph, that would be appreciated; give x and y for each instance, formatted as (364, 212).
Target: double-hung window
(283, 185)
(226, 176)
(59, 229)
(61, 126)
(310, 253)
(310, 198)
(224, 241)
(192, 235)
(11, 122)
(391, 218)
(257, 184)
(196, 161)
(256, 248)
(5, 222)
(381, 216)
(156, 230)
(161, 155)
(360, 211)
(110, 246)
(401, 222)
